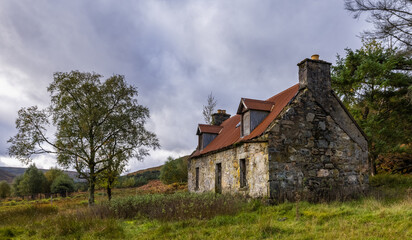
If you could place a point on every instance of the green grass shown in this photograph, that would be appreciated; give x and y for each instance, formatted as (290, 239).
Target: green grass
(385, 214)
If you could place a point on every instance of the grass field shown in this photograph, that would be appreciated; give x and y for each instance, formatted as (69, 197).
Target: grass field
(143, 214)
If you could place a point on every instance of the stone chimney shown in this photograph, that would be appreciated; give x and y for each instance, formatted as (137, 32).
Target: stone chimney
(219, 117)
(315, 75)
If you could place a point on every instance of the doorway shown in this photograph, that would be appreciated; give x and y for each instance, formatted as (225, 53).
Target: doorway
(218, 180)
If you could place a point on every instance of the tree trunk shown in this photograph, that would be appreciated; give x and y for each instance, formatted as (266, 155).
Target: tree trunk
(91, 191)
(373, 166)
(372, 157)
(92, 181)
(109, 192)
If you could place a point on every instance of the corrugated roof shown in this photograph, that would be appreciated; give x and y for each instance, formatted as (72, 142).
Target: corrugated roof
(253, 104)
(230, 134)
(204, 128)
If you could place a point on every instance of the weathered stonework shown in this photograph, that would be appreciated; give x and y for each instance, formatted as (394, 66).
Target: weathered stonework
(311, 156)
(257, 170)
(312, 149)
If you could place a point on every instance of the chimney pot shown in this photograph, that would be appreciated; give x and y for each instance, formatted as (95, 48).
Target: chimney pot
(315, 57)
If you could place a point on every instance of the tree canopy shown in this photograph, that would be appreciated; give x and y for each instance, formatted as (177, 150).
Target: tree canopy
(63, 184)
(392, 19)
(51, 175)
(5, 189)
(373, 84)
(33, 182)
(16, 191)
(174, 170)
(96, 123)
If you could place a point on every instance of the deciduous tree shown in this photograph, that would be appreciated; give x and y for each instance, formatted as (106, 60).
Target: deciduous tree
(33, 182)
(392, 19)
(51, 175)
(5, 189)
(16, 191)
(209, 108)
(114, 167)
(92, 118)
(174, 170)
(63, 185)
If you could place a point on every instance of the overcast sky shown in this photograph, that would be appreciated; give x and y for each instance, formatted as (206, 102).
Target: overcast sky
(174, 52)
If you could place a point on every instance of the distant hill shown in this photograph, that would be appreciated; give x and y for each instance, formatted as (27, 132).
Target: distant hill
(153, 168)
(145, 170)
(8, 177)
(9, 173)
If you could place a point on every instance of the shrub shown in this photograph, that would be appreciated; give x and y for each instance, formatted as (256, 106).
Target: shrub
(5, 189)
(400, 163)
(174, 170)
(10, 232)
(391, 180)
(62, 184)
(140, 181)
(178, 206)
(129, 182)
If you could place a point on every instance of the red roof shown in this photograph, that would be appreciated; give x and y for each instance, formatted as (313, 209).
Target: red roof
(204, 128)
(248, 104)
(230, 134)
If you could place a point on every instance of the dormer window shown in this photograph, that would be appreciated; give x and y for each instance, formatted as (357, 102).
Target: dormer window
(245, 123)
(252, 112)
(206, 134)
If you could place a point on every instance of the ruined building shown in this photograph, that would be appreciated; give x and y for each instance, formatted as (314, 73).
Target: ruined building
(302, 143)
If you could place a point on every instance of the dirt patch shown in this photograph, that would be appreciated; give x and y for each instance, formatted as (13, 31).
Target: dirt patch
(156, 186)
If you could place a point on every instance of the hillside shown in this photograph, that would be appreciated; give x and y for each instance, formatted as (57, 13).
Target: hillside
(9, 173)
(153, 168)
(4, 175)
(145, 170)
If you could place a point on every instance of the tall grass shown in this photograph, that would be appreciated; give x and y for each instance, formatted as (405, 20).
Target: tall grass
(385, 214)
(390, 188)
(178, 206)
(391, 181)
(26, 213)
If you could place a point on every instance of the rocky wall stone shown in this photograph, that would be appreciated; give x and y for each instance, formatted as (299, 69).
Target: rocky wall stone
(257, 170)
(312, 157)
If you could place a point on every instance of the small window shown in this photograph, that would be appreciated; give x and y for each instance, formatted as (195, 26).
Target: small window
(242, 165)
(197, 179)
(201, 142)
(245, 123)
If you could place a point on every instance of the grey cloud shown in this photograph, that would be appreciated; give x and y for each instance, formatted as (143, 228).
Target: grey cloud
(175, 52)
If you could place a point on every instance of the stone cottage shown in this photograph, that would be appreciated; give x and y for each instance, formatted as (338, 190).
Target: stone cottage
(302, 143)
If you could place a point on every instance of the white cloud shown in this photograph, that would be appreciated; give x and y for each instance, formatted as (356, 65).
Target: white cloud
(44, 162)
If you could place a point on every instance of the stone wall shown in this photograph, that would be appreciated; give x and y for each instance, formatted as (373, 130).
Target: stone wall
(257, 170)
(311, 156)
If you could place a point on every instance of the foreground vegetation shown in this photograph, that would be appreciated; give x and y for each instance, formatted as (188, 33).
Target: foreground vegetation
(133, 214)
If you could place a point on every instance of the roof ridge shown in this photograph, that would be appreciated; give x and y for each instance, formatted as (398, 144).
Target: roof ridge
(230, 134)
(287, 89)
(210, 125)
(255, 99)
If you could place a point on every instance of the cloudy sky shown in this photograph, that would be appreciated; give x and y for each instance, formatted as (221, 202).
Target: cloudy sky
(174, 52)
